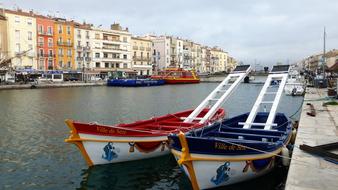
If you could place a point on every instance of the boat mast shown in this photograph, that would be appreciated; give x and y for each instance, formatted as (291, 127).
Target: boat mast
(324, 54)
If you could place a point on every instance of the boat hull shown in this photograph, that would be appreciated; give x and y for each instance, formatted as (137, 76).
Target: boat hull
(181, 81)
(213, 171)
(134, 82)
(104, 144)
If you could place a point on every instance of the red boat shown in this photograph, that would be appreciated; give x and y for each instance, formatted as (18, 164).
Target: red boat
(177, 76)
(103, 144)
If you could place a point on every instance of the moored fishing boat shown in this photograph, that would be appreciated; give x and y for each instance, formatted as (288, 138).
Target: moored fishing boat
(177, 76)
(135, 82)
(103, 144)
(236, 149)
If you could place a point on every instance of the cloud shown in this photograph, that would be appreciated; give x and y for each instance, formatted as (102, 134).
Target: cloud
(265, 31)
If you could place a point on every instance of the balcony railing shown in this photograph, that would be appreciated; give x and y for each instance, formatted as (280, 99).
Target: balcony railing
(142, 48)
(135, 48)
(65, 44)
(139, 58)
(45, 33)
(79, 58)
(113, 48)
(46, 55)
(40, 44)
(88, 58)
(83, 48)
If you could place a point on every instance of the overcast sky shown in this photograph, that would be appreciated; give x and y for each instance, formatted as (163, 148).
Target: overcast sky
(252, 31)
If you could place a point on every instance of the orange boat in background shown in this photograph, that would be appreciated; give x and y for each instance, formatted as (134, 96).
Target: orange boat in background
(177, 76)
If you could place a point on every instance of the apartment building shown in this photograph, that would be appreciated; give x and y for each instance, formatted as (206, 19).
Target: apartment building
(83, 41)
(112, 49)
(161, 52)
(176, 52)
(3, 37)
(64, 37)
(21, 35)
(232, 63)
(196, 53)
(204, 60)
(45, 43)
(142, 55)
(187, 55)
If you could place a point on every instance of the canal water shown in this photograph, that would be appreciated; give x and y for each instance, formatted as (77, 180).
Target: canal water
(33, 154)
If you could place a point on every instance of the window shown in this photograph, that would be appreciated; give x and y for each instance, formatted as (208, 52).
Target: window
(41, 63)
(60, 28)
(50, 42)
(134, 54)
(97, 64)
(69, 42)
(29, 21)
(17, 35)
(60, 40)
(125, 65)
(141, 55)
(17, 47)
(79, 43)
(30, 35)
(97, 36)
(87, 34)
(60, 52)
(17, 19)
(117, 65)
(124, 56)
(30, 46)
(40, 29)
(125, 39)
(68, 29)
(69, 52)
(40, 41)
(106, 65)
(105, 55)
(49, 30)
(60, 63)
(68, 64)
(50, 54)
(97, 55)
(50, 64)
(87, 44)
(41, 52)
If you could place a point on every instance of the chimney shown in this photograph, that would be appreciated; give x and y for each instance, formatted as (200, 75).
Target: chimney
(115, 26)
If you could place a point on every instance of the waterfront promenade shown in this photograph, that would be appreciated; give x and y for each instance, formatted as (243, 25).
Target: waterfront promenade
(309, 172)
(50, 85)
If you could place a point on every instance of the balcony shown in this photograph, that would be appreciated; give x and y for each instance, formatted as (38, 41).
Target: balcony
(79, 58)
(82, 48)
(142, 48)
(64, 44)
(135, 48)
(113, 48)
(46, 55)
(148, 49)
(139, 58)
(45, 33)
(40, 44)
(79, 35)
(88, 59)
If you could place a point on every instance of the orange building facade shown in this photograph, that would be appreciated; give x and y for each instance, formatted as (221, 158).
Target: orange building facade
(45, 43)
(64, 46)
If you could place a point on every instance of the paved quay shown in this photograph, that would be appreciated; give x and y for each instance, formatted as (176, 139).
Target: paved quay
(50, 85)
(309, 172)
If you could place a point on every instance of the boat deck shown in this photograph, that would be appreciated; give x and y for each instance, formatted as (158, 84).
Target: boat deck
(309, 171)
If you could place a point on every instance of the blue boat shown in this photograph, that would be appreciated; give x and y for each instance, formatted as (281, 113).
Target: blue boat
(239, 148)
(226, 153)
(134, 82)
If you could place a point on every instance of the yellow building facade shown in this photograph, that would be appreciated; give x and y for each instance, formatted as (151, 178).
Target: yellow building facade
(141, 56)
(64, 46)
(3, 37)
(21, 36)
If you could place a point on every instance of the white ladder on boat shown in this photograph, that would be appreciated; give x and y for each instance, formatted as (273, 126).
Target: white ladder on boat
(278, 73)
(219, 95)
